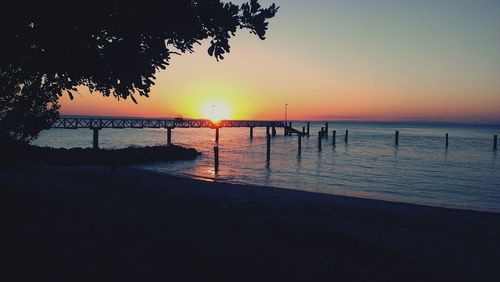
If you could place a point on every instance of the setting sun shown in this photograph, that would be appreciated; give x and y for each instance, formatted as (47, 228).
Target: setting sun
(216, 111)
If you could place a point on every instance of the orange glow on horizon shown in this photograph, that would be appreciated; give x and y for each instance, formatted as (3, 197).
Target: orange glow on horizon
(312, 90)
(399, 69)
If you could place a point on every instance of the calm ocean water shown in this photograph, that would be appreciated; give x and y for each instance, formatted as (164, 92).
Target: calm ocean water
(420, 170)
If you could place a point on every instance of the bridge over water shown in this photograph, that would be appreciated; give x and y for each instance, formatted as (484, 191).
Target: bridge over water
(97, 124)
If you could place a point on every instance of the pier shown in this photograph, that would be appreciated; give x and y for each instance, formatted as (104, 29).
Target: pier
(75, 123)
(96, 124)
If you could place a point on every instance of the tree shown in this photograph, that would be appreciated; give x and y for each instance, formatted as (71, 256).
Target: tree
(49, 49)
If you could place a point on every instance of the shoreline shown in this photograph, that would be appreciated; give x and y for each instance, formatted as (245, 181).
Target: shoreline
(354, 195)
(270, 226)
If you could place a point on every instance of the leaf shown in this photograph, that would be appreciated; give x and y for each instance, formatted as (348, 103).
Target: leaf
(211, 49)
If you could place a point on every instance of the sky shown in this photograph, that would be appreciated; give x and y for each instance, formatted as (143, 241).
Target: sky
(384, 60)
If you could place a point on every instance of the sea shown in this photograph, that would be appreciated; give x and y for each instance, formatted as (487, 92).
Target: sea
(419, 170)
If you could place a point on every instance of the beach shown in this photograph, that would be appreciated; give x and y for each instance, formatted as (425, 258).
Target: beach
(93, 222)
(88, 222)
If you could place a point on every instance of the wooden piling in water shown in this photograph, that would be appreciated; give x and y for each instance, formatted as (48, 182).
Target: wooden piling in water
(396, 138)
(169, 136)
(308, 125)
(326, 129)
(303, 130)
(274, 131)
(346, 138)
(217, 134)
(334, 137)
(95, 139)
(251, 132)
(495, 141)
(446, 140)
(216, 158)
(300, 144)
(319, 140)
(268, 143)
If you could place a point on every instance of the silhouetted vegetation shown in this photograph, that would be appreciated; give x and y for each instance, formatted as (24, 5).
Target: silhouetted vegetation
(20, 155)
(114, 48)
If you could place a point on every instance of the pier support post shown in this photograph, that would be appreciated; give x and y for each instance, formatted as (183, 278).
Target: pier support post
(319, 140)
(300, 144)
(346, 139)
(303, 130)
(396, 140)
(290, 128)
(495, 141)
(326, 129)
(334, 137)
(217, 135)
(274, 131)
(446, 140)
(308, 125)
(251, 132)
(268, 143)
(169, 136)
(95, 139)
(216, 158)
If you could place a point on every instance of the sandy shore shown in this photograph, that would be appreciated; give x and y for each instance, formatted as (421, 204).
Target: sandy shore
(82, 223)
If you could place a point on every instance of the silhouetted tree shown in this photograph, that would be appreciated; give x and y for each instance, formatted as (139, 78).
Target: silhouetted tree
(115, 48)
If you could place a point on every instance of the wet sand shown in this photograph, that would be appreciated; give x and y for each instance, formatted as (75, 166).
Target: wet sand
(86, 223)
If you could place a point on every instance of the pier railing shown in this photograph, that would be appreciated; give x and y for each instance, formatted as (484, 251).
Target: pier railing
(74, 123)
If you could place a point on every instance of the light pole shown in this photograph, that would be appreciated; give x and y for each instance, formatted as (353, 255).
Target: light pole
(286, 112)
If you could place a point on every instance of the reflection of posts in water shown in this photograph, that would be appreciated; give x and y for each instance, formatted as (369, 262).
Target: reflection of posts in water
(216, 158)
(495, 140)
(334, 137)
(396, 138)
(268, 143)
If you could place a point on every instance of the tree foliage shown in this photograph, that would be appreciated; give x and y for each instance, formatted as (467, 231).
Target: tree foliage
(115, 47)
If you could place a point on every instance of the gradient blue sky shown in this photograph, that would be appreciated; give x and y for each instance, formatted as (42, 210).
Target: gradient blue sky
(361, 60)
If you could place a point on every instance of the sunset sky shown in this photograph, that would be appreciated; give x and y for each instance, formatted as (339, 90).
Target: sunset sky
(338, 60)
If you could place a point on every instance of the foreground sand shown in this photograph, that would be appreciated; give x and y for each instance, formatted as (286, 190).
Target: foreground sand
(89, 223)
